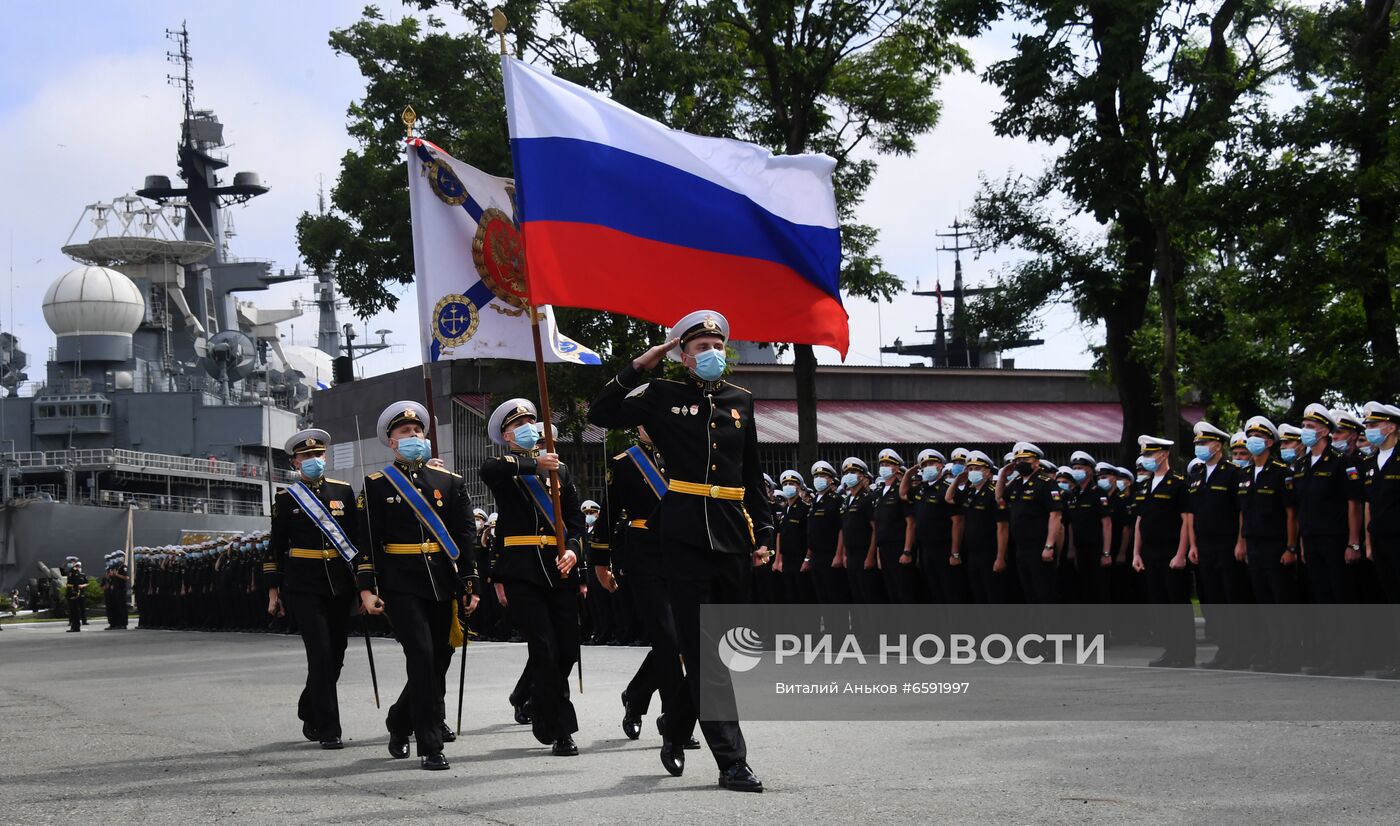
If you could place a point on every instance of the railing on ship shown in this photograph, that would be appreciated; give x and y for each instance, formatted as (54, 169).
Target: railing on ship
(183, 504)
(139, 461)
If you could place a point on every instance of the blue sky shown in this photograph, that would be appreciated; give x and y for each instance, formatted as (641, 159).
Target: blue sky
(86, 113)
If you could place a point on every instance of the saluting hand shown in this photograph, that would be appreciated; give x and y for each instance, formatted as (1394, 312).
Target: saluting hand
(652, 357)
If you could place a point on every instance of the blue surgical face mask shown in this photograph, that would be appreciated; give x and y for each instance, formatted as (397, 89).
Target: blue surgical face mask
(527, 436)
(850, 480)
(710, 364)
(1143, 477)
(1375, 436)
(1366, 450)
(1203, 452)
(414, 448)
(1288, 454)
(820, 483)
(886, 472)
(1241, 463)
(1122, 484)
(1079, 475)
(313, 468)
(790, 491)
(1065, 486)
(1310, 437)
(1340, 444)
(1149, 464)
(1256, 445)
(590, 518)
(976, 476)
(929, 473)
(957, 468)
(1105, 484)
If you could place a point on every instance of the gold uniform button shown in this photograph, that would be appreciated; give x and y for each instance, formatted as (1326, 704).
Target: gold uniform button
(714, 467)
(712, 425)
(714, 444)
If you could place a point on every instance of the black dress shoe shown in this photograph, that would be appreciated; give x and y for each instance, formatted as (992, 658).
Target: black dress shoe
(398, 746)
(672, 758)
(309, 732)
(448, 735)
(522, 714)
(692, 744)
(564, 747)
(1346, 671)
(332, 743)
(1168, 661)
(1213, 663)
(740, 778)
(631, 723)
(434, 762)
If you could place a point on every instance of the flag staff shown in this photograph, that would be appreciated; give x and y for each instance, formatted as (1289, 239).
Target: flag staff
(499, 23)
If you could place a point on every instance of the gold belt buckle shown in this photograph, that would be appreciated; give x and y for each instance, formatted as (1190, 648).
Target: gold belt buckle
(714, 491)
(425, 546)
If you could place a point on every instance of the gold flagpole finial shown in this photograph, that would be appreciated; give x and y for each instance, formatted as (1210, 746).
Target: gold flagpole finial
(409, 116)
(499, 22)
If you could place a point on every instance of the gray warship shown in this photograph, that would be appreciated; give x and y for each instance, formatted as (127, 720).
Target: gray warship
(164, 406)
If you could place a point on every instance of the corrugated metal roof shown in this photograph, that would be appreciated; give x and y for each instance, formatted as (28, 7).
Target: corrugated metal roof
(944, 422)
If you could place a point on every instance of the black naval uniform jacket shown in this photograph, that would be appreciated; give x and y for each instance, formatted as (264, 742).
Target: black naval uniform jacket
(293, 528)
(631, 497)
(1265, 497)
(824, 525)
(1325, 490)
(1383, 495)
(707, 433)
(792, 528)
(385, 519)
(1030, 501)
(517, 516)
(1160, 511)
(1215, 510)
(933, 517)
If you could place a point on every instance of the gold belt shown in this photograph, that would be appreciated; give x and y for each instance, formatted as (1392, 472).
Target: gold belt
(410, 548)
(638, 523)
(710, 491)
(310, 553)
(530, 541)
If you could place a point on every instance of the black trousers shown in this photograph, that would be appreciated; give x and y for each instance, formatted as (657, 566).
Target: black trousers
(421, 626)
(660, 672)
(1385, 554)
(899, 579)
(703, 576)
(987, 586)
(1276, 637)
(75, 613)
(1330, 582)
(1037, 576)
(1092, 577)
(829, 584)
(797, 586)
(1177, 629)
(601, 606)
(946, 583)
(324, 622)
(1223, 580)
(548, 619)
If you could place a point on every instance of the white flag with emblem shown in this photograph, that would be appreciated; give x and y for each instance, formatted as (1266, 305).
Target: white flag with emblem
(468, 260)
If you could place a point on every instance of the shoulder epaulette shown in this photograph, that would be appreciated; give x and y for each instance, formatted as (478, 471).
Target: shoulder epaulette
(619, 457)
(378, 474)
(337, 482)
(739, 387)
(443, 470)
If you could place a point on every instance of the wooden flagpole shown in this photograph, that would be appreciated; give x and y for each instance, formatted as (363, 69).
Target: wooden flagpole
(499, 22)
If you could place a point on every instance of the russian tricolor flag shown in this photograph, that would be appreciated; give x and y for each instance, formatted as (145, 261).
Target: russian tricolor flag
(622, 214)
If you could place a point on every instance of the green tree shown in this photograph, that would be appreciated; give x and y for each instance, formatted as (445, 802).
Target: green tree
(847, 78)
(1142, 95)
